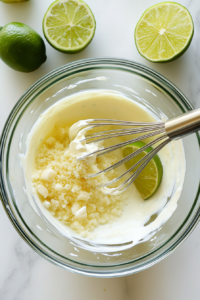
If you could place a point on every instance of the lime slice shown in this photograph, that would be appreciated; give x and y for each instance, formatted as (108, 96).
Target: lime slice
(164, 32)
(150, 178)
(69, 25)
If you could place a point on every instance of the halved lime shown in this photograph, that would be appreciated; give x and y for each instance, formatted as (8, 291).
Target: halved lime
(69, 25)
(164, 32)
(150, 178)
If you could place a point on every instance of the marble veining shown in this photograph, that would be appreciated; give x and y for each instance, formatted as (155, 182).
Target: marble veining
(21, 273)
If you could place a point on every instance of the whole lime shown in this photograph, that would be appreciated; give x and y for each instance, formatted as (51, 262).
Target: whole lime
(13, 1)
(21, 47)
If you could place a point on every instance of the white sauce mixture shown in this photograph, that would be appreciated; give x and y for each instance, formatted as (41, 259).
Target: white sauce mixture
(130, 227)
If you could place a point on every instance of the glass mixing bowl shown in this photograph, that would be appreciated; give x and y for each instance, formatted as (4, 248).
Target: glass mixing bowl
(144, 86)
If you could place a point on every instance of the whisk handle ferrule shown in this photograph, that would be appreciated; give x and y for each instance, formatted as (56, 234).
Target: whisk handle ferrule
(183, 125)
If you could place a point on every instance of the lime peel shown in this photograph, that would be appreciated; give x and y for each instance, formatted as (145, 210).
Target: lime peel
(21, 47)
(13, 1)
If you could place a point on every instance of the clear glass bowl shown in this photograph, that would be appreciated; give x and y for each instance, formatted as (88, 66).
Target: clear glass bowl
(139, 83)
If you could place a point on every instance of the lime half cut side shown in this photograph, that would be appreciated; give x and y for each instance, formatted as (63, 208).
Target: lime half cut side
(150, 178)
(69, 25)
(164, 32)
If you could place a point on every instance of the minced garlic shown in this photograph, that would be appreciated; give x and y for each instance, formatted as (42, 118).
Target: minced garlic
(62, 185)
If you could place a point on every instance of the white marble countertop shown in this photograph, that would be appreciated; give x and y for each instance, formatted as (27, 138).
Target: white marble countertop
(23, 273)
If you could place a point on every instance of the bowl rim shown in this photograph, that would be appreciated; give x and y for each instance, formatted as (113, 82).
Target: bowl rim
(84, 64)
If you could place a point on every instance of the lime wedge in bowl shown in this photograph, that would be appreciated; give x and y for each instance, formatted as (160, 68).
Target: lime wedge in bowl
(150, 178)
(69, 25)
(164, 32)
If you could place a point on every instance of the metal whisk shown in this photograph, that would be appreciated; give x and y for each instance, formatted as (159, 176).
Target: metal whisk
(165, 132)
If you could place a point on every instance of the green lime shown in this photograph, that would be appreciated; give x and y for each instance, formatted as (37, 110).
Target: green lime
(164, 32)
(69, 25)
(21, 48)
(13, 1)
(150, 178)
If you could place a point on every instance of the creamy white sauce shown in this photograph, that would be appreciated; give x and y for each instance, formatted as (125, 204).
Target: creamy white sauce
(131, 226)
(76, 127)
(80, 148)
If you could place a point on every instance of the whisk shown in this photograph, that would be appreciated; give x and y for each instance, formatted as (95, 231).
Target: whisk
(163, 132)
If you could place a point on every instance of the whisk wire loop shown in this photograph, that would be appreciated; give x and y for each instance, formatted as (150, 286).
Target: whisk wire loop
(120, 145)
(141, 167)
(117, 132)
(128, 157)
(142, 162)
(172, 129)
